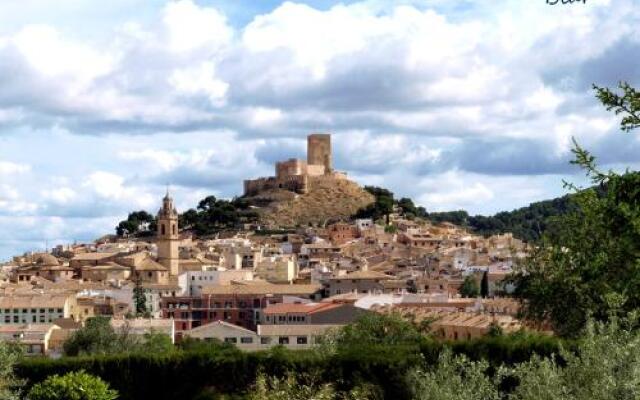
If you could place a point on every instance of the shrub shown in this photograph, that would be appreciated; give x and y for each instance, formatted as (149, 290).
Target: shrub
(72, 386)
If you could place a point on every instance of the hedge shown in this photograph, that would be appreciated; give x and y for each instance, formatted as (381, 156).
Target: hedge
(186, 374)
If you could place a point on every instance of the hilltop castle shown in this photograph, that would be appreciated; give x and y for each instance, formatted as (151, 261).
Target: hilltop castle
(297, 175)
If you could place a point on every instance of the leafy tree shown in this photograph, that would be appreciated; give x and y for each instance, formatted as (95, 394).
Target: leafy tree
(459, 217)
(9, 383)
(381, 207)
(137, 223)
(627, 103)
(604, 364)
(484, 285)
(589, 266)
(454, 378)
(375, 328)
(77, 385)
(307, 387)
(469, 287)
(156, 343)
(97, 336)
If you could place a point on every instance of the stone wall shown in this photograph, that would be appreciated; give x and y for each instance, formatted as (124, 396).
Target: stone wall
(290, 167)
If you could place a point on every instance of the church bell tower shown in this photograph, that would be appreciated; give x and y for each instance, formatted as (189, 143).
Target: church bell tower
(167, 236)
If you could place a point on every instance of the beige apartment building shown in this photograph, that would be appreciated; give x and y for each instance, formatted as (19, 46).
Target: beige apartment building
(37, 308)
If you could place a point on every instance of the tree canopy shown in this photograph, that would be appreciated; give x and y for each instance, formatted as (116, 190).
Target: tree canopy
(469, 287)
(590, 266)
(77, 385)
(138, 223)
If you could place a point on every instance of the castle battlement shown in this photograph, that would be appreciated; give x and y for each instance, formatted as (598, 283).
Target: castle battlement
(294, 174)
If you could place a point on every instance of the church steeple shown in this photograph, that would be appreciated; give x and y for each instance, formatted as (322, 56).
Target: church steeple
(167, 235)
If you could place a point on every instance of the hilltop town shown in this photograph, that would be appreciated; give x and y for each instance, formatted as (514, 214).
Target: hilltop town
(257, 288)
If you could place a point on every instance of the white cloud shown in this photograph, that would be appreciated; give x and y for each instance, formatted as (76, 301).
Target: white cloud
(191, 27)
(46, 51)
(200, 80)
(11, 168)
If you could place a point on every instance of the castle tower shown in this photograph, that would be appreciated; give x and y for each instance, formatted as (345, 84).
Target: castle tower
(319, 150)
(167, 235)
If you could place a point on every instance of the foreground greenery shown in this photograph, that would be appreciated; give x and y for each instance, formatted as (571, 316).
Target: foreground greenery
(370, 358)
(72, 386)
(589, 267)
(10, 385)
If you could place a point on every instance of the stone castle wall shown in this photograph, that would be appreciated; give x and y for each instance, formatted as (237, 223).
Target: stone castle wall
(294, 183)
(294, 174)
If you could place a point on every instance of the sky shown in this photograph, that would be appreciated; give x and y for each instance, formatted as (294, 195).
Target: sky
(458, 104)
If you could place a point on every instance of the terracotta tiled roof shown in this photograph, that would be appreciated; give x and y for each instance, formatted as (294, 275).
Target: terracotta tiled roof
(363, 275)
(148, 264)
(308, 308)
(295, 330)
(262, 289)
(33, 301)
(93, 256)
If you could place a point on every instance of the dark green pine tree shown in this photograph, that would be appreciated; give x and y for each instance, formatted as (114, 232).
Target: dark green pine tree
(139, 299)
(484, 285)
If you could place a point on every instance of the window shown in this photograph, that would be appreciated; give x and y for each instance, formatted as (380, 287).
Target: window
(173, 228)
(265, 340)
(301, 340)
(246, 340)
(33, 319)
(231, 340)
(16, 319)
(283, 340)
(51, 310)
(7, 319)
(227, 315)
(162, 229)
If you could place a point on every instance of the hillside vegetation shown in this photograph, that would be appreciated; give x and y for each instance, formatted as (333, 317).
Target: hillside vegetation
(526, 223)
(328, 199)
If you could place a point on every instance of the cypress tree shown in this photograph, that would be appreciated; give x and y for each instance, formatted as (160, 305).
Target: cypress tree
(484, 285)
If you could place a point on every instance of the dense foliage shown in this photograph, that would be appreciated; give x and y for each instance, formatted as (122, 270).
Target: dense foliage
(384, 205)
(99, 337)
(9, 383)
(307, 387)
(469, 287)
(225, 370)
(526, 223)
(139, 298)
(605, 365)
(72, 386)
(214, 215)
(590, 266)
(138, 223)
(211, 216)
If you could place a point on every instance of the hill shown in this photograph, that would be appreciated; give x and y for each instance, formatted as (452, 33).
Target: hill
(526, 223)
(327, 199)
